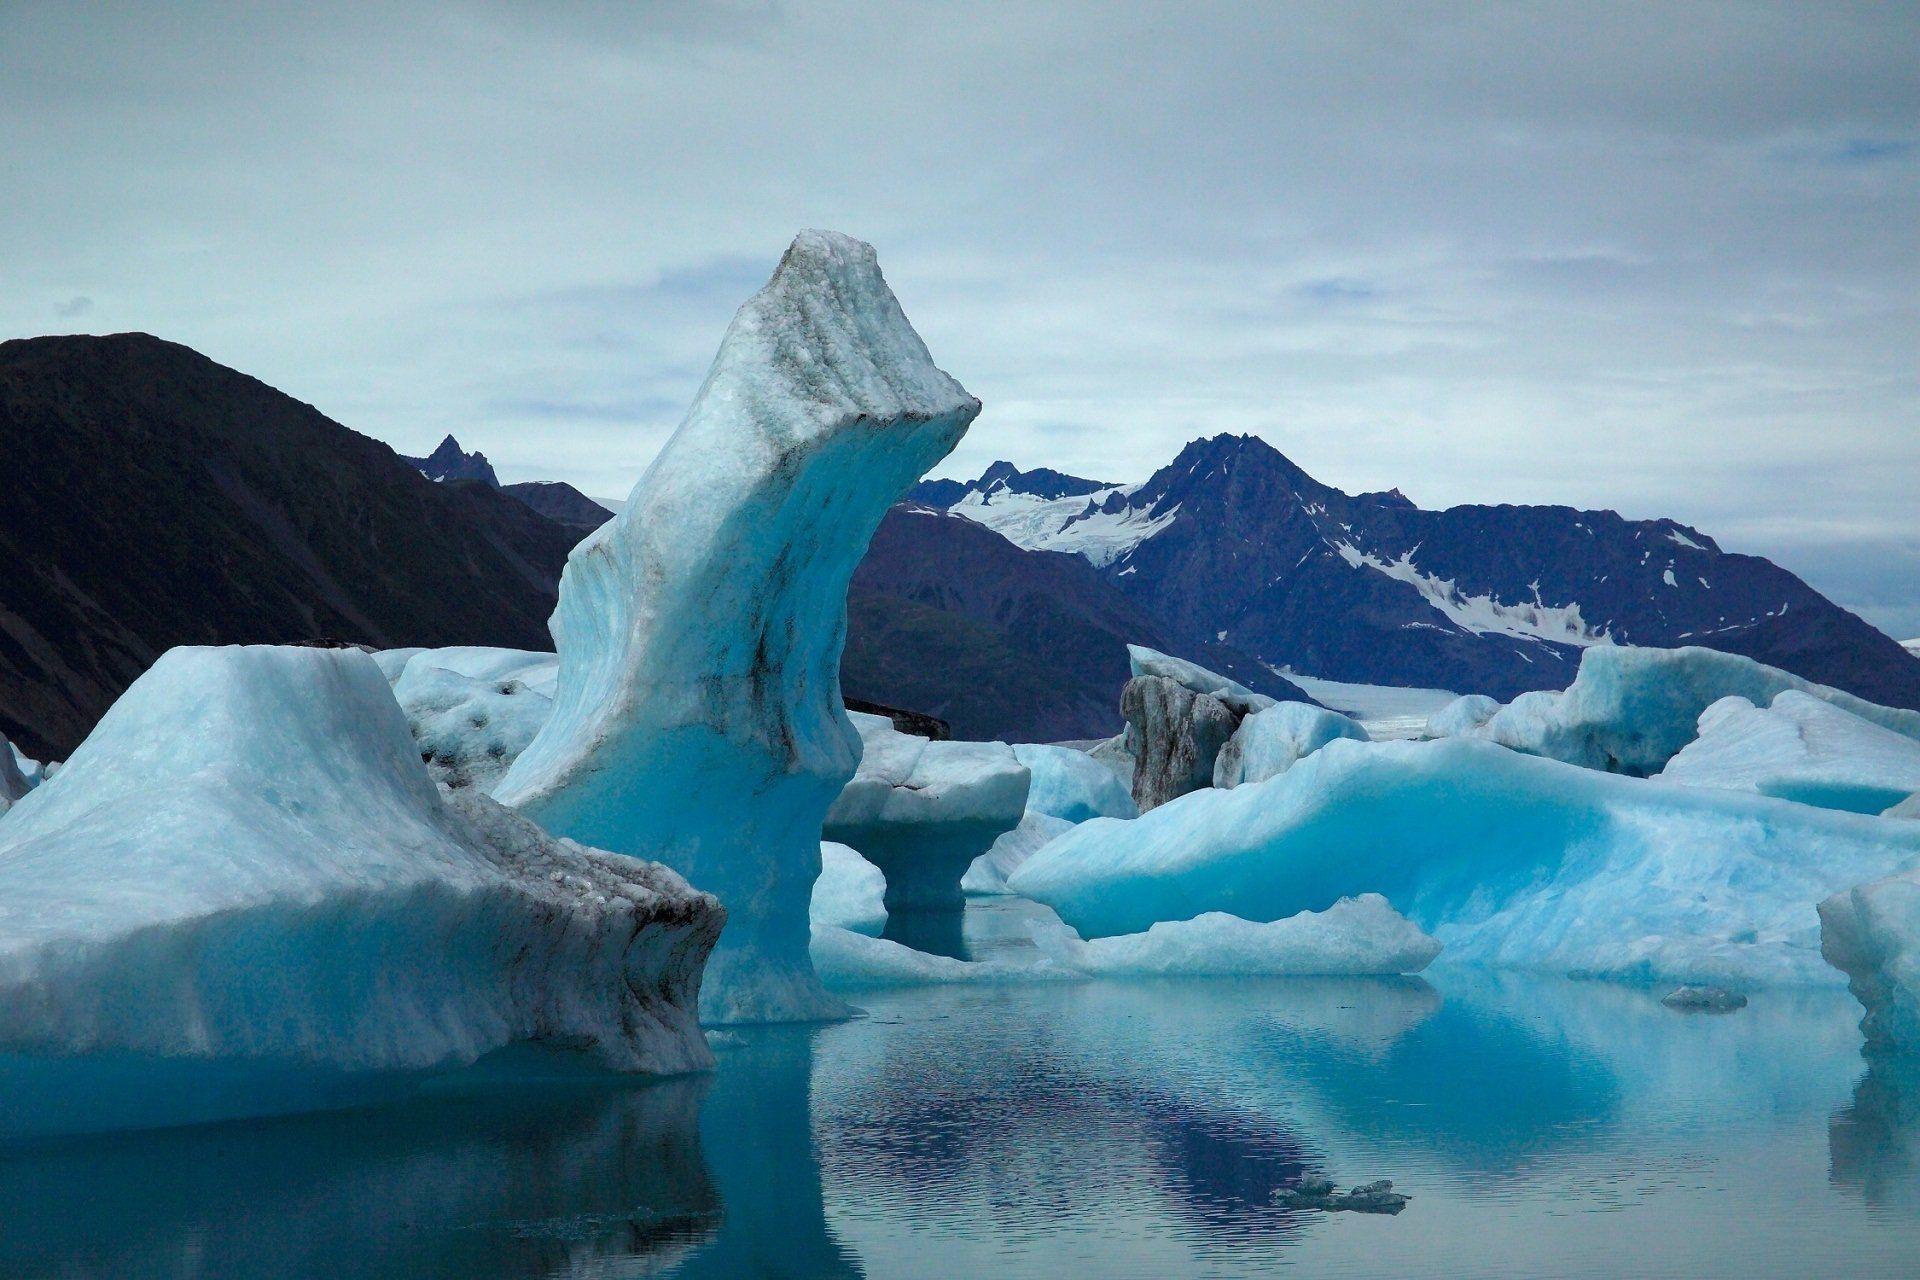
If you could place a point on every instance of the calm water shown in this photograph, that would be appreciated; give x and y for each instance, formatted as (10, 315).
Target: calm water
(1141, 1129)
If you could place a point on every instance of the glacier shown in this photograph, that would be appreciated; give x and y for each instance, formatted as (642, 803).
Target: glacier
(1507, 859)
(1355, 936)
(1630, 710)
(1800, 748)
(850, 893)
(922, 811)
(1871, 933)
(1270, 742)
(245, 871)
(697, 716)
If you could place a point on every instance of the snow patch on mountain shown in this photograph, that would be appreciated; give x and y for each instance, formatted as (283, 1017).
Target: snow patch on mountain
(1484, 614)
(1102, 526)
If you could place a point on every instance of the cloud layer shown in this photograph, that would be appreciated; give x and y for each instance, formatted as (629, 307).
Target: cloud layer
(1652, 258)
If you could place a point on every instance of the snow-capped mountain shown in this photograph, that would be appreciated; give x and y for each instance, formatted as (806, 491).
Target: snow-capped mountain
(1232, 543)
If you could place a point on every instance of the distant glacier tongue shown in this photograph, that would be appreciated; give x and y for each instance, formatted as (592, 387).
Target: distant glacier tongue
(697, 717)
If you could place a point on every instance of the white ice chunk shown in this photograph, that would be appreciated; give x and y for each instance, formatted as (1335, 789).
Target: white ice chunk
(848, 960)
(1800, 749)
(850, 893)
(1872, 934)
(1462, 716)
(1192, 676)
(697, 717)
(1630, 710)
(469, 730)
(922, 811)
(1270, 742)
(245, 863)
(1360, 935)
(1068, 783)
(1908, 808)
(1507, 859)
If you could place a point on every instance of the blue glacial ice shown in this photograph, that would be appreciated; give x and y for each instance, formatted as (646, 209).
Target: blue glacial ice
(922, 811)
(1507, 859)
(1800, 748)
(245, 865)
(1270, 742)
(697, 715)
(14, 782)
(850, 893)
(1359, 935)
(1630, 710)
(1069, 786)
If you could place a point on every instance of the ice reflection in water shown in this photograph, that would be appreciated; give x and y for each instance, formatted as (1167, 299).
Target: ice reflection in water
(1051, 1130)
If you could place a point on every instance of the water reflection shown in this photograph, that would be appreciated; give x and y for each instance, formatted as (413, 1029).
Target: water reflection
(548, 1184)
(1874, 1141)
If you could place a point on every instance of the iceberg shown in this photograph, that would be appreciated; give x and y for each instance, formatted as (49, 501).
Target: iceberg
(1195, 678)
(1173, 738)
(13, 777)
(850, 893)
(1908, 808)
(922, 811)
(697, 716)
(1070, 784)
(987, 877)
(1630, 710)
(1871, 933)
(1270, 742)
(1800, 749)
(471, 728)
(1355, 936)
(1507, 859)
(1462, 716)
(244, 871)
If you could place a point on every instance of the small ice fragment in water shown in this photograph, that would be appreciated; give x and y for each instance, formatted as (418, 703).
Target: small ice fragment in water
(1367, 1197)
(1704, 999)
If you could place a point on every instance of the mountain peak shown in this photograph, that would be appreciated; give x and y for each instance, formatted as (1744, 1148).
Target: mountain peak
(449, 461)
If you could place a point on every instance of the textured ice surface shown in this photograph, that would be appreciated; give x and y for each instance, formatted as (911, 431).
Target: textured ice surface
(1630, 710)
(1272, 741)
(470, 729)
(1360, 935)
(1507, 859)
(1871, 932)
(245, 862)
(850, 893)
(848, 960)
(697, 714)
(1190, 675)
(1068, 783)
(1174, 737)
(988, 874)
(922, 811)
(1801, 749)
(1908, 808)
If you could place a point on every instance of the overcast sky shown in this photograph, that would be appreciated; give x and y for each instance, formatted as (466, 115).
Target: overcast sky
(1657, 258)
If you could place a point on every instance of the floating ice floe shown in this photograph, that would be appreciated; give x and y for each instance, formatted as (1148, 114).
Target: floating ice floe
(1355, 936)
(1463, 716)
(1871, 933)
(1506, 859)
(1630, 710)
(1270, 742)
(850, 893)
(697, 715)
(922, 811)
(1800, 749)
(1069, 786)
(245, 876)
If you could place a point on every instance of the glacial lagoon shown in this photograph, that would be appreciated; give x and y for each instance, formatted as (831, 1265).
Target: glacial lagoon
(1057, 1129)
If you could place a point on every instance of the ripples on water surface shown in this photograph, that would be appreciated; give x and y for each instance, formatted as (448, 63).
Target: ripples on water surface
(1103, 1129)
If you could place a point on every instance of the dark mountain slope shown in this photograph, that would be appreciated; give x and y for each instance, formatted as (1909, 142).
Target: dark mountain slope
(561, 503)
(154, 498)
(449, 461)
(950, 618)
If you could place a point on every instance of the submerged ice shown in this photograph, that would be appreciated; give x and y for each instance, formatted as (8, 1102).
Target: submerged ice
(697, 714)
(246, 862)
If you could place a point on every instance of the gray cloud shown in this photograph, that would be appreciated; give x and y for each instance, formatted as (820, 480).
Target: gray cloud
(1611, 255)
